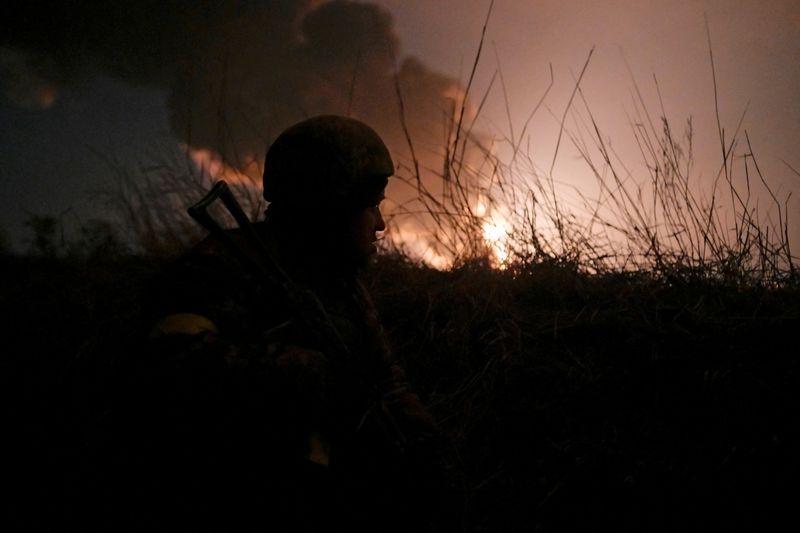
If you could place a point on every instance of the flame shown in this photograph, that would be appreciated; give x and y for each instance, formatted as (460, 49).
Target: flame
(495, 229)
(418, 246)
(210, 164)
(495, 233)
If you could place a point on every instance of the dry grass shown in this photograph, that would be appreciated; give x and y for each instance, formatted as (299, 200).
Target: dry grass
(150, 201)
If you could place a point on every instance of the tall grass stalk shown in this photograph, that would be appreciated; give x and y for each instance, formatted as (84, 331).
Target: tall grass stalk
(150, 199)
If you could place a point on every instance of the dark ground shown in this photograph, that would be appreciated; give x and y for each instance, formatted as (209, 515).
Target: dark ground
(574, 402)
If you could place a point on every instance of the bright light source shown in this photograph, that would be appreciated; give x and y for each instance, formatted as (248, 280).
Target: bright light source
(495, 232)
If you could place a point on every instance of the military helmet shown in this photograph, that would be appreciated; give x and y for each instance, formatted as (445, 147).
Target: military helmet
(327, 162)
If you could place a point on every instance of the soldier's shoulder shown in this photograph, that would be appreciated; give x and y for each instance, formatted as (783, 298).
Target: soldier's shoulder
(209, 281)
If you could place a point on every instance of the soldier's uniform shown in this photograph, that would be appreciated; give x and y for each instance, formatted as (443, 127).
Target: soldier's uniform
(251, 419)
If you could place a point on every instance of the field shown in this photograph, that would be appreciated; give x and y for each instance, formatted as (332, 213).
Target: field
(573, 401)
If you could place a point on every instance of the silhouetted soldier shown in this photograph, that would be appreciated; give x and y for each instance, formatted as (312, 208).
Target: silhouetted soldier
(252, 419)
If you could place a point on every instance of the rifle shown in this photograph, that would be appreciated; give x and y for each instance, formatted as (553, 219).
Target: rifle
(303, 303)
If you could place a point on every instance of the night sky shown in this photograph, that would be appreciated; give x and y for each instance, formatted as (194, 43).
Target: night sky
(88, 85)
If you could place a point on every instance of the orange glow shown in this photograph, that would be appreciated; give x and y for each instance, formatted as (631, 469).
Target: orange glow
(418, 247)
(210, 164)
(495, 229)
(495, 233)
(46, 96)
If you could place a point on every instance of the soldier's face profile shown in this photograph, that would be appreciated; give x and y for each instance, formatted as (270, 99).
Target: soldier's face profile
(363, 232)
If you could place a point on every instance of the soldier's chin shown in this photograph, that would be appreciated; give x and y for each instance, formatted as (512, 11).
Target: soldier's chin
(367, 255)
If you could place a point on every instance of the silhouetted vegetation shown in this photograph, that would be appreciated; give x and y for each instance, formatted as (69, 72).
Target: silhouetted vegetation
(604, 402)
(574, 401)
